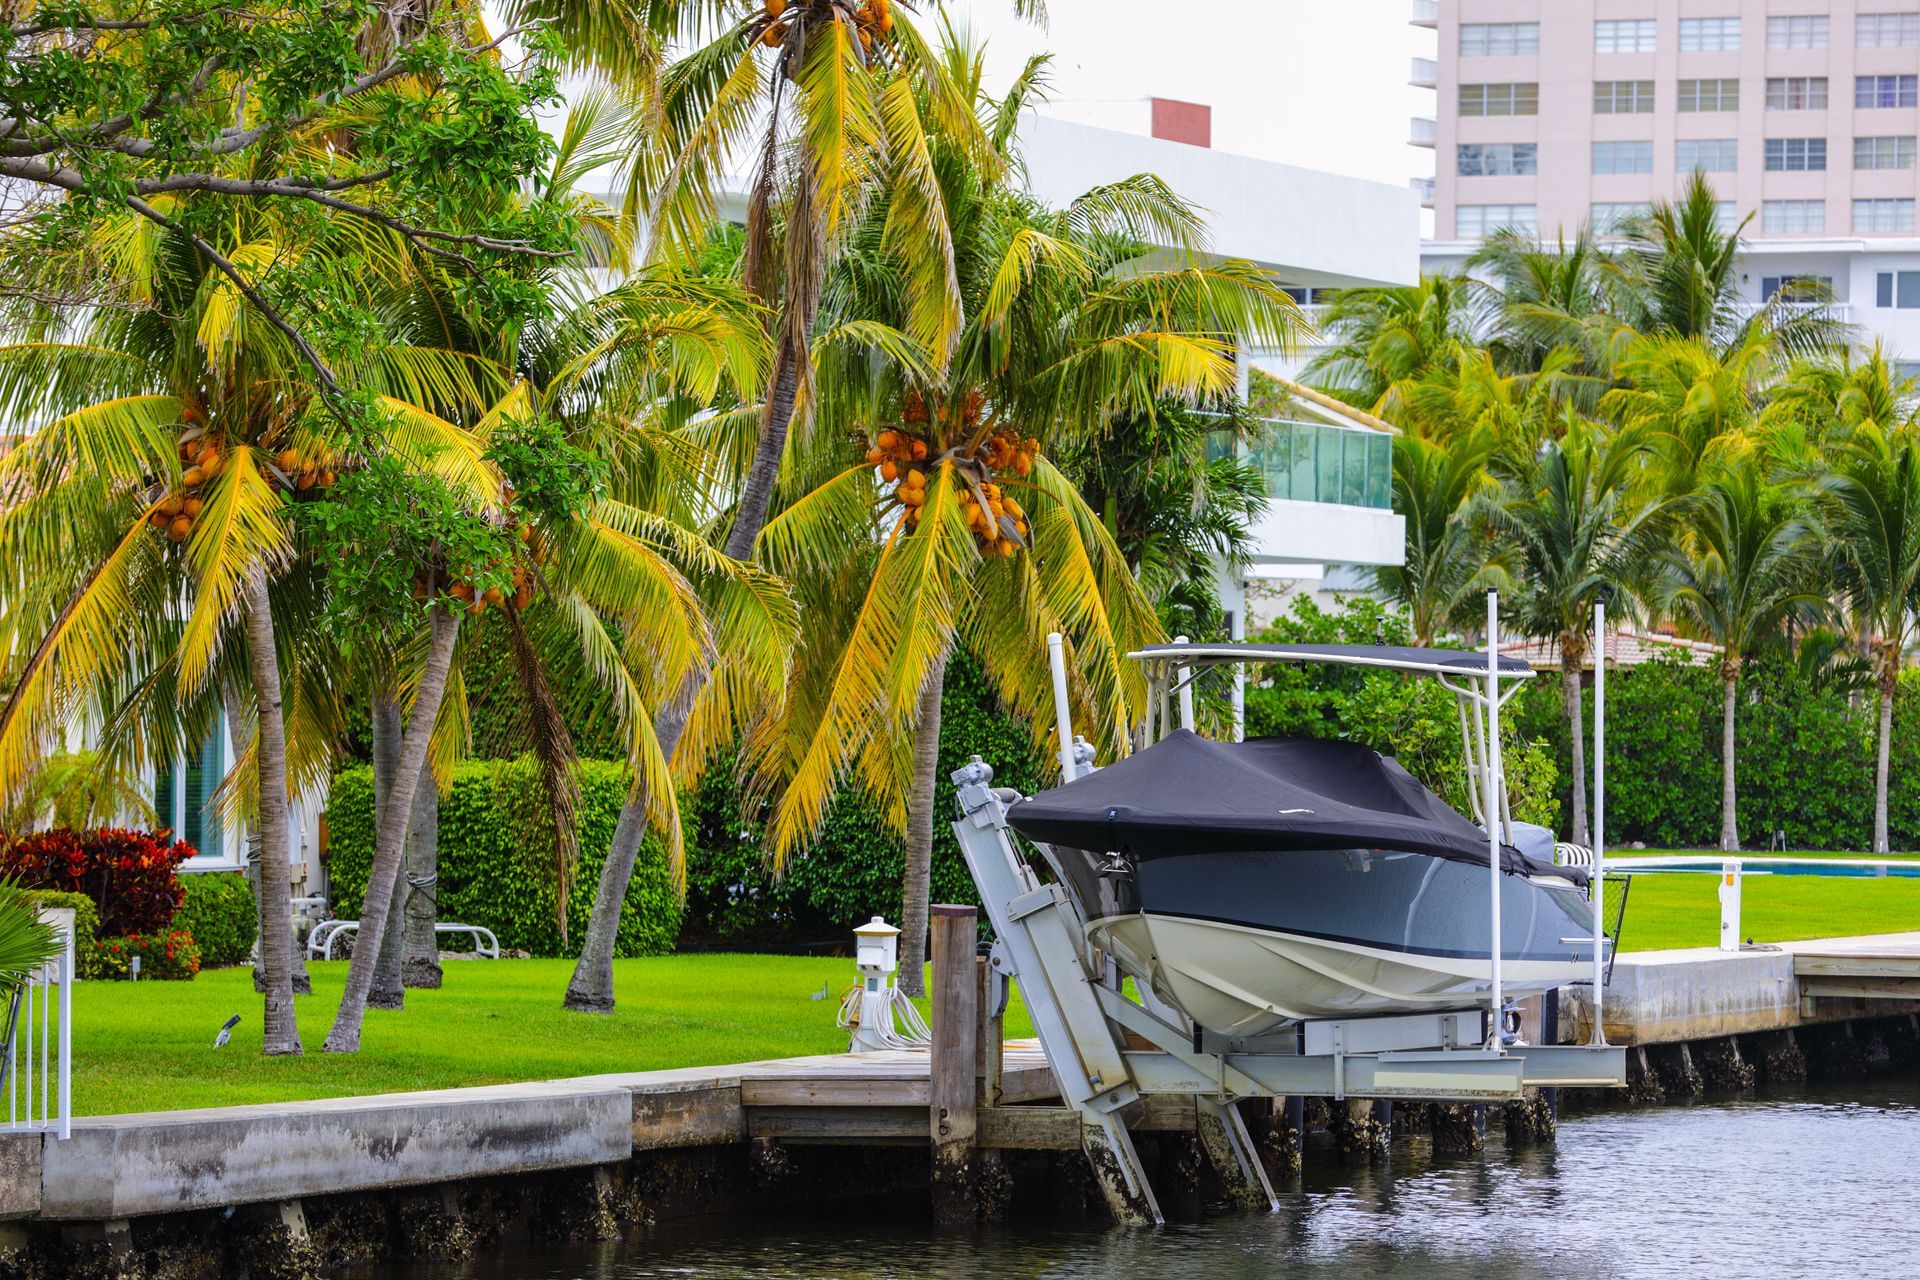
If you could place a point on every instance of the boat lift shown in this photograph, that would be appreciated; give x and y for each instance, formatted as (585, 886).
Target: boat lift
(1110, 1046)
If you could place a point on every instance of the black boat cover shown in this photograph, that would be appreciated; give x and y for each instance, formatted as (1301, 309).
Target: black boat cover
(1188, 794)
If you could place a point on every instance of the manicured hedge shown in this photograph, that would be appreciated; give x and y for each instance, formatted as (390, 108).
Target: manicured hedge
(496, 857)
(172, 956)
(220, 913)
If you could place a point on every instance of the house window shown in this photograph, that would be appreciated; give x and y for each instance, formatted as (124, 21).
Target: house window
(1886, 91)
(1797, 93)
(1631, 35)
(1883, 215)
(1709, 35)
(1899, 289)
(1497, 159)
(1623, 157)
(1795, 155)
(1725, 216)
(1609, 218)
(1793, 217)
(1797, 33)
(183, 791)
(1709, 95)
(1622, 97)
(1883, 153)
(1886, 30)
(1800, 288)
(1713, 155)
(1476, 221)
(1498, 39)
(1500, 99)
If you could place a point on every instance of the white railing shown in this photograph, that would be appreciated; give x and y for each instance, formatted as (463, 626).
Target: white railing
(1732, 869)
(1422, 187)
(1420, 131)
(1424, 72)
(1841, 311)
(36, 1065)
(1426, 13)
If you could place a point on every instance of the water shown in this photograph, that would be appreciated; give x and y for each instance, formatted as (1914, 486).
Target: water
(1812, 1183)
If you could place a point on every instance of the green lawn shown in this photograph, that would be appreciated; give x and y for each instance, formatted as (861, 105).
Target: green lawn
(1683, 910)
(148, 1046)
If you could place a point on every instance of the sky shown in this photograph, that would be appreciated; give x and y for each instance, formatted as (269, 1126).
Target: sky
(1318, 83)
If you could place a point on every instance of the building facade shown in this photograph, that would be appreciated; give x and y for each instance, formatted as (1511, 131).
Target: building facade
(1803, 114)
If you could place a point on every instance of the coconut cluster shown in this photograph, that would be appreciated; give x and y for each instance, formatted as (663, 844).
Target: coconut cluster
(431, 580)
(872, 19)
(306, 470)
(984, 463)
(201, 458)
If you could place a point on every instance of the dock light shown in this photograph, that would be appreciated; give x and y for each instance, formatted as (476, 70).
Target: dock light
(873, 1004)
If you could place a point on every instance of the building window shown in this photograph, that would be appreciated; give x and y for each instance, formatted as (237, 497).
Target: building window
(1797, 93)
(1709, 95)
(1883, 153)
(1500, 99)
(1623, 157)
(1883, 215)
(1610, 218)
(1709, 35)
(183, 791)
(1713, 155)
(1622, 97)
(1631, 35)
(1793, 217)
(1801, 288)
(1498, 159)
(1797, 33)
(1498, 39)
(1886, 30)
(1796, 155)
(1726, 217)
(1885, 91)
(1476, 221)
(1897, 289)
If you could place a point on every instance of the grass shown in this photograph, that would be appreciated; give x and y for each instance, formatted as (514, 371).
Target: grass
(1683, 910)
(147, 1046)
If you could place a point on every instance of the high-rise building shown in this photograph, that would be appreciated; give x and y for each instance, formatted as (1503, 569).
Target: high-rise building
(1803, 114)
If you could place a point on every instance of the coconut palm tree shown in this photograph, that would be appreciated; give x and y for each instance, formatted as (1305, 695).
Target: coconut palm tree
(927, 514)
(1384, 339)
(1698, 403)
(1442, 490)
(1743, 567)
(1574, 533)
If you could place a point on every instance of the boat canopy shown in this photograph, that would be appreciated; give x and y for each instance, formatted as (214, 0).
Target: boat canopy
(1391, 657)
(1187, 794)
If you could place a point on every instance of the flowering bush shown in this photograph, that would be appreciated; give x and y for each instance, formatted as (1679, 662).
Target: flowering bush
(172, 955)
(130, 875)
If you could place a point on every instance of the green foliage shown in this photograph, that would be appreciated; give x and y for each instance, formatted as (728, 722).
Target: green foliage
(172, 956)
(220, 913)
(496, 857)
(86, 916)
(550, 476)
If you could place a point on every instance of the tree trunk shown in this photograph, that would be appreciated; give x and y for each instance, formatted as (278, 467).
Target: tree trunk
(1881, 840)
(420, 963)
(1571, 653)
(390, 844)
(240, 730)
(919, 868)
(280, 1032)
(387, 991)
(591, 988)
(1729, 797)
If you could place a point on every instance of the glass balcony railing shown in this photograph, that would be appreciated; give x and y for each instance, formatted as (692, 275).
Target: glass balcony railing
(1313, 462)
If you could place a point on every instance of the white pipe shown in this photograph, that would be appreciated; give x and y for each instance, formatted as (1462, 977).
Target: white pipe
(1493, 811)
(1062, 710)
(1599, 884)
(1185, 676)
(1238, 632)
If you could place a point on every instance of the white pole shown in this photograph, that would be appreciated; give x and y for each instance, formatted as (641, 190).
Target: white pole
(1062, 710)
(1185, 677)
(1599, 884)
(67, 962)
(1493, 810)
(1238, 633)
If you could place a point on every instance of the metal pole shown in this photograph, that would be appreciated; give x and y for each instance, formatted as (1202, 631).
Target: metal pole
(1062, 710)
(1185, 677)
(1599, 883)
(1493, 811)
(67, 965)
(1238, 632)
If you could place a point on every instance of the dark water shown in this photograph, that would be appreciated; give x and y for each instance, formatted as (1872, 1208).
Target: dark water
(1816, 1183)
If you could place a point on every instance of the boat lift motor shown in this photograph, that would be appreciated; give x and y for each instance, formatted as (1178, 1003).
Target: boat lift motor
(875, 1010)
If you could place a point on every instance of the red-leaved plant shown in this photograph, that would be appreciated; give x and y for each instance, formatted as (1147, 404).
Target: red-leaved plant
(130, 875)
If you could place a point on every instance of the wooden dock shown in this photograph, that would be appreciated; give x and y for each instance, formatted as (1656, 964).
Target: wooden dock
(1876, 967)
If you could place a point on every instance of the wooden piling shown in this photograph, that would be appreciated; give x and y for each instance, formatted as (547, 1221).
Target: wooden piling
(952, 1116)
(991, 1036)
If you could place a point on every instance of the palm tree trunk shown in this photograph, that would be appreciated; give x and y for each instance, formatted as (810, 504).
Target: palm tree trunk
(390, 845)
(280, 1030)
(1571, 653)
(919, 868)
(240, 730)
(590, 990)
(1729, 797)
(420, 963)
(1889, 681)
(388, 727)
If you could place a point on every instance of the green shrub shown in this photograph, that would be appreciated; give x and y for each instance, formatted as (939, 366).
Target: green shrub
(165, 957)
(220, 913)
(496, 857)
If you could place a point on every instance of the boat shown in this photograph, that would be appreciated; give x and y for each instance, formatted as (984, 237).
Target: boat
(1256, 884)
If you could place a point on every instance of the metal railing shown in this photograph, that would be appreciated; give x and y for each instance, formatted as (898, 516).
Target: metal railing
(1420, 131)
(1732, 869)
(1426, 13)
(36, 1056)
(1424, 72)
(1316, 462)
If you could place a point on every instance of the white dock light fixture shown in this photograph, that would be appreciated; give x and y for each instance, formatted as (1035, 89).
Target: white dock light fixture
(876, 953)
(874, 1006)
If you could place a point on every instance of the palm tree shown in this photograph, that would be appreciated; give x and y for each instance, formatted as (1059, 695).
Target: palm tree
(1874, 504)
(1547, 299)
(1574, 536)
(1698, 403)
(1384, 339)
(1743, 567)
(78, 790)
(1442, 491)
(928, 515)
